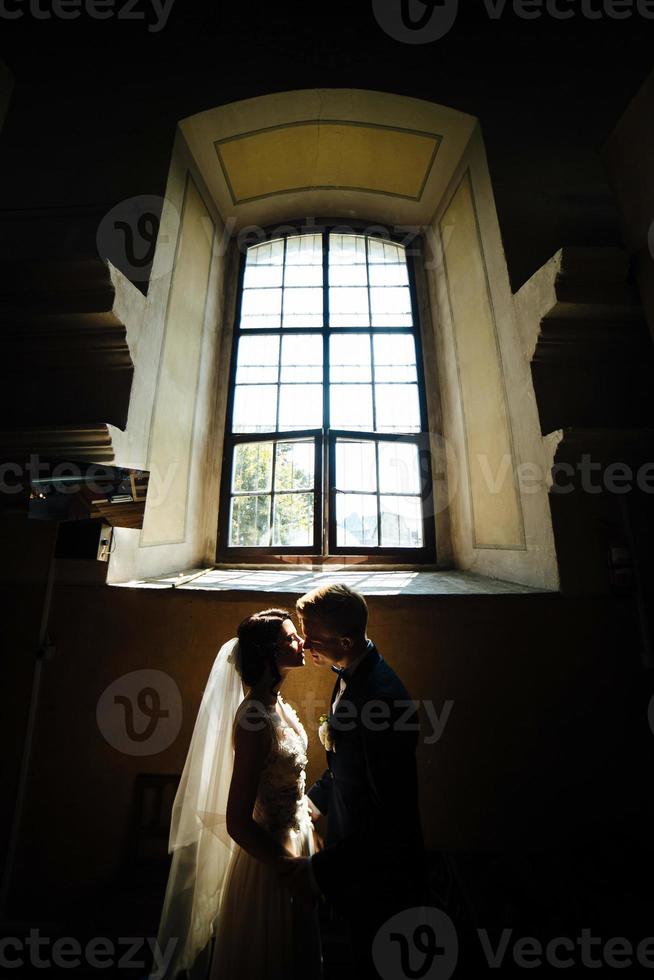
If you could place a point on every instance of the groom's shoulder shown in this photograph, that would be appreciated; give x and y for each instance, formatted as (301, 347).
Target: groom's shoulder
(385, 681)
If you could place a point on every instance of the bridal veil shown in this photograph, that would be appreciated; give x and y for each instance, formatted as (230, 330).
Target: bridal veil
(198, 841)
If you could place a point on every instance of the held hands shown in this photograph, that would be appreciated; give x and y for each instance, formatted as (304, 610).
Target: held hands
(315, 817)
(295, 874)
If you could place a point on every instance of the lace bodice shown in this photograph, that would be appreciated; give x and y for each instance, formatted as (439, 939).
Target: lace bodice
(281, 805)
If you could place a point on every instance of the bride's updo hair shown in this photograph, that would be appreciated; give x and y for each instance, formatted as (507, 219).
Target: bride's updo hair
(258, 639)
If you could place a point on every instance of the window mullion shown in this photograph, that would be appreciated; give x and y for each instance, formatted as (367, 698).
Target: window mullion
(326, 508)
(272, 493)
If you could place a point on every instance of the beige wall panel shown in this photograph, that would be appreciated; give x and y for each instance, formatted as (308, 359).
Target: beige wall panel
(494, 501)
(171, 433)
(329, 154)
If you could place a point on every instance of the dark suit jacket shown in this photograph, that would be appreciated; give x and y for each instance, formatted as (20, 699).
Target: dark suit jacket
(369, 792)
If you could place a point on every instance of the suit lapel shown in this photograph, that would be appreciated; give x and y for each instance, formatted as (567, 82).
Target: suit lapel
(356, 682)
(333, 697)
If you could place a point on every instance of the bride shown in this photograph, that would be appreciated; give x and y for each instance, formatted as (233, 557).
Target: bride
(240, 808)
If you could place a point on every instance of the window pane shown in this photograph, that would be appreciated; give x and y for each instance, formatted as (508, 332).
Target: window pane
(380, 251)
(356, 468)
(254, 408)
(347, 249)
(399, 469)
(252, 469)
(303, 282)
(268, 253)
(349, 357)
(350, 406)
(300, 321)
(300, 304)
(260, 322)
(258, 359)
(398, 408)
(303, 275)
(250, 522)
(401, 522)
(348, 306)
(261, 308)
(300, 406)
(301, 358)
(390, 306)
(356, 520)
(389, 275)
(395, 357)
(260, 276)
(304, 250)
(293, 519)
(294, 466)
(348, 275)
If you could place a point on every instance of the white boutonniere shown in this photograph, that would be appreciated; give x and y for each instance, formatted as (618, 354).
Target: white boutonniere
(325, 734)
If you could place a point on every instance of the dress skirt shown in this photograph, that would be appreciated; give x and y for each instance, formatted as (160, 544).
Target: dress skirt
(262, 932)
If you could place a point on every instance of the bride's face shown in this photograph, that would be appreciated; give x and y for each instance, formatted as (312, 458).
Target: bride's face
(291, 647)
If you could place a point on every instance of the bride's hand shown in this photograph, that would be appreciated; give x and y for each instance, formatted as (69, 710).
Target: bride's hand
(314, 813)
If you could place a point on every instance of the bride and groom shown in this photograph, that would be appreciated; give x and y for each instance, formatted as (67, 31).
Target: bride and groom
(248, 866)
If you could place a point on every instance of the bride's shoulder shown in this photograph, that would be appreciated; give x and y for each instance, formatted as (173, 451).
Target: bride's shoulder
(252, 715)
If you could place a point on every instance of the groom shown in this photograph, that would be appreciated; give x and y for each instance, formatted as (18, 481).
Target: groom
(372, 865)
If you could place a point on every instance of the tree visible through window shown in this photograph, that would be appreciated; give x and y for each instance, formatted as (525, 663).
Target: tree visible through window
(325, 449)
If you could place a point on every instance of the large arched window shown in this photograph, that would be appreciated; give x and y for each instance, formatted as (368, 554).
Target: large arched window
(326, 445)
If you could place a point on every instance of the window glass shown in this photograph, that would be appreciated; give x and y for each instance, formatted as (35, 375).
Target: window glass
(326, 347)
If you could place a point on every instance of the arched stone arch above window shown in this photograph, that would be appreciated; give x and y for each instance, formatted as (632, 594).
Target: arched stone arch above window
(332, 152)
(387, 167)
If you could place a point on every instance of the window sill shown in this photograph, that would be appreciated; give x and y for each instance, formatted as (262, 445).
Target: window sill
(405, 581)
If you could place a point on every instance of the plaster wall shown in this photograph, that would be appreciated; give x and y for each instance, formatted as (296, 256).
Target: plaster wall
(524, 755)
(497, 461)
(175, 342)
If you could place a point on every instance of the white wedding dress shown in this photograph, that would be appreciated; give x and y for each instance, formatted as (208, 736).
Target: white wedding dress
(262, 933)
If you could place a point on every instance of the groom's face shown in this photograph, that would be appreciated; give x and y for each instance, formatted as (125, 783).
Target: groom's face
(325, 646)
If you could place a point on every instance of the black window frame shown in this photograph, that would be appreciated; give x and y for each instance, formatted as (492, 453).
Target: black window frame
(324, 546)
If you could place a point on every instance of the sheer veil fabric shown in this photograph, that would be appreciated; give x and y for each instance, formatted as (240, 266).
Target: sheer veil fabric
(198, 841)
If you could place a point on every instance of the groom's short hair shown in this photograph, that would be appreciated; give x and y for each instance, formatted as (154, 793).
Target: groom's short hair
(343, 609)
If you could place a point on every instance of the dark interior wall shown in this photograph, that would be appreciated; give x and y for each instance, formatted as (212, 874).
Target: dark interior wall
(96, 102)
(548, 735)
(545, 719)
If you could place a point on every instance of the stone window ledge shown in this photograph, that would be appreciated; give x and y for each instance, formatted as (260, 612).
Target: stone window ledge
(298, 581)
